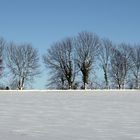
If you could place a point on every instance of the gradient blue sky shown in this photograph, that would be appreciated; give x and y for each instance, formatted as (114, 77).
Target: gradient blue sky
(42, 22)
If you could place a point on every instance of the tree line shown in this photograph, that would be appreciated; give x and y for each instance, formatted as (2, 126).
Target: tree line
(84, 61)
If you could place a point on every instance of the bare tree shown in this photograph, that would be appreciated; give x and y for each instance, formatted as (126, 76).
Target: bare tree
(2, 45)
(120, 64)
(87, 45)
(117, 72)
(104, 58)
(135, 58)
(60, 60)
(23, 63)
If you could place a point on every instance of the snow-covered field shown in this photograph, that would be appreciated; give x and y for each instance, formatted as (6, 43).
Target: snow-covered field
(70, 115)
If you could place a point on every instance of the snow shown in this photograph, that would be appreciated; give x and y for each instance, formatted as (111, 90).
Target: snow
(70, 115)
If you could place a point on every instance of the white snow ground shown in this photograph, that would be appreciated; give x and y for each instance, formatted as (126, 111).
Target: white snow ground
(70, 115)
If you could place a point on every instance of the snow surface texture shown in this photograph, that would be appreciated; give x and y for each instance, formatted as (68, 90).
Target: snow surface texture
(70, 115)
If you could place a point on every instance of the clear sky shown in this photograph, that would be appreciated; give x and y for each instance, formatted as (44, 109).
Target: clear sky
(42, 22)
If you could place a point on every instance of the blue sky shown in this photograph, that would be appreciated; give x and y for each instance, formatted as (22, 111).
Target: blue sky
(42, 22)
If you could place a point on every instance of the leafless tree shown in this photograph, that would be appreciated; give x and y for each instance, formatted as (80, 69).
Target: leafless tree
(120, 64)
(2, 45)
(23, 63)
(104, 58)
(60, 60)
(87, 45)
(135, 57)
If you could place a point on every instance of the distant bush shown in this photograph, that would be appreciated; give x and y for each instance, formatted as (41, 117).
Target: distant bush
(7, 88)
